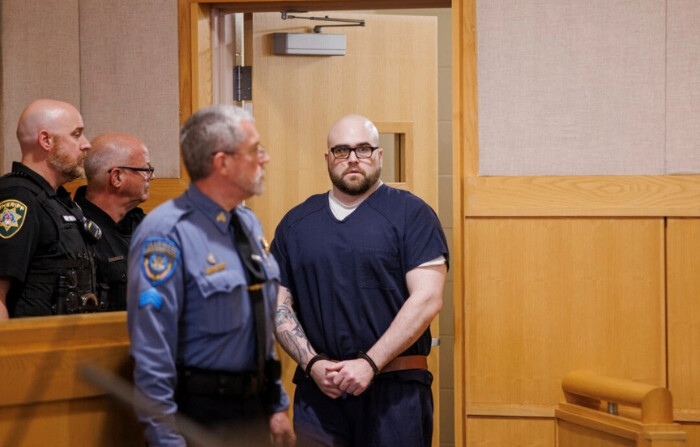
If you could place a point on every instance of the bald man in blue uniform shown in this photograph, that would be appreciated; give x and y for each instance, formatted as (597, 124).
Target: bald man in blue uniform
(362, 268)
(202, 290)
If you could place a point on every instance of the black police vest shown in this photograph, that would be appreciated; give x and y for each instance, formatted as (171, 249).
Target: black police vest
(112, 282)
(62, 281)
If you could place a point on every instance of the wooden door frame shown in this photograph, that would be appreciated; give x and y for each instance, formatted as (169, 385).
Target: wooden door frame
(195, 87)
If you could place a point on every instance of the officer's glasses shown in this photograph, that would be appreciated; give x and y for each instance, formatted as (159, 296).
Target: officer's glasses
(362, 151)
(149, 170)
(258, 151)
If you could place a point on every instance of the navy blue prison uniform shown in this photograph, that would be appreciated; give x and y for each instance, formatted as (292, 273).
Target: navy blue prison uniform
(44, 249)
(188, 305)
(348, 281)
(111, 249)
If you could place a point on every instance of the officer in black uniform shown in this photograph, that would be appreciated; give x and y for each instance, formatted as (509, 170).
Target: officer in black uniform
(47, 264)
(118, 172)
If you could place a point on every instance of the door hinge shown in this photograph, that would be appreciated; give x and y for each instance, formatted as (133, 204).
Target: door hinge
(242, 83)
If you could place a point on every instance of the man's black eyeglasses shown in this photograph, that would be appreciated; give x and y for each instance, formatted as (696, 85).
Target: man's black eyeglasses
(361, 151)
(149, 169)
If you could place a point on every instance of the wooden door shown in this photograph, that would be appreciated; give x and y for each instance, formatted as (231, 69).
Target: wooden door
(389, 74)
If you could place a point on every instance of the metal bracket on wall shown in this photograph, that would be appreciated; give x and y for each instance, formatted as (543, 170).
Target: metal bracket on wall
(317, 28)
(242, 83)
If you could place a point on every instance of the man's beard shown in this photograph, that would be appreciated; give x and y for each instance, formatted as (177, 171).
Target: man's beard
(61, 161)
(354, 189)
(259, 185)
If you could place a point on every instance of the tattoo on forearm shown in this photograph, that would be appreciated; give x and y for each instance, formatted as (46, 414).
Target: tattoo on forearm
(291, 345)
(290, 334)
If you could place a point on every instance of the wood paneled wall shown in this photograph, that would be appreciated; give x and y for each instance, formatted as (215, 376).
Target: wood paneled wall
(500, 432)
(683, 325)
(43, 398)
(573, 434)
(561, 273)
(692, 431)
(546, 296)
(552, 274)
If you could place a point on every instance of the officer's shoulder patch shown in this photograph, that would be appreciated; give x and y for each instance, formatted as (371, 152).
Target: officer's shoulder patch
(151, 296)
(12, 214)
(160, 259)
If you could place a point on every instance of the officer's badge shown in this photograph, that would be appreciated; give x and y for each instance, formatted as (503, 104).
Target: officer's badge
(12, 214)
(265, 244)
(160, 258)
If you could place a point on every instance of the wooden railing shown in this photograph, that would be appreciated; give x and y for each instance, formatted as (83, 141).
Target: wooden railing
(608, 411)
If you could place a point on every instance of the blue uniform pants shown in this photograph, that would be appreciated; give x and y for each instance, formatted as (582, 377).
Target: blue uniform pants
(395, 410)
(233, 421)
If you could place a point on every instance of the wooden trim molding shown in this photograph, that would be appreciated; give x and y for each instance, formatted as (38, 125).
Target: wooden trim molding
(406, 165)
(686, 415)
(464, 163)
(649, 196)
(185, 56)
(322, 5)
(514, 411)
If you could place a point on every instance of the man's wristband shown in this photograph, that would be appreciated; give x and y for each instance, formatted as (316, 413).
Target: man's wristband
(370, 361)
(314, 359)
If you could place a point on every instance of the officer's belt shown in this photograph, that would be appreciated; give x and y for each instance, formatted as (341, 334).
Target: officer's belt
(195, 381)
(406, 362)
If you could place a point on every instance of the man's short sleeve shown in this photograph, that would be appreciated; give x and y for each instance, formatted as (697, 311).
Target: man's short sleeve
(424, 239)
(279, 252)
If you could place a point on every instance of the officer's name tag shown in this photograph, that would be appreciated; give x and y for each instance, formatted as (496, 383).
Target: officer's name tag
(215, 268)
(70, 218)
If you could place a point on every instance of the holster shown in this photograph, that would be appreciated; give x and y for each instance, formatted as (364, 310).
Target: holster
(74, 294)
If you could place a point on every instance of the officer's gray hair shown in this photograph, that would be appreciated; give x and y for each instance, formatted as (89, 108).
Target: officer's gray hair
(210, 130)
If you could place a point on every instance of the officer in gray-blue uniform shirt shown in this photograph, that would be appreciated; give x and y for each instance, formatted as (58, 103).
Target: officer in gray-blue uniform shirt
(200, 281)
